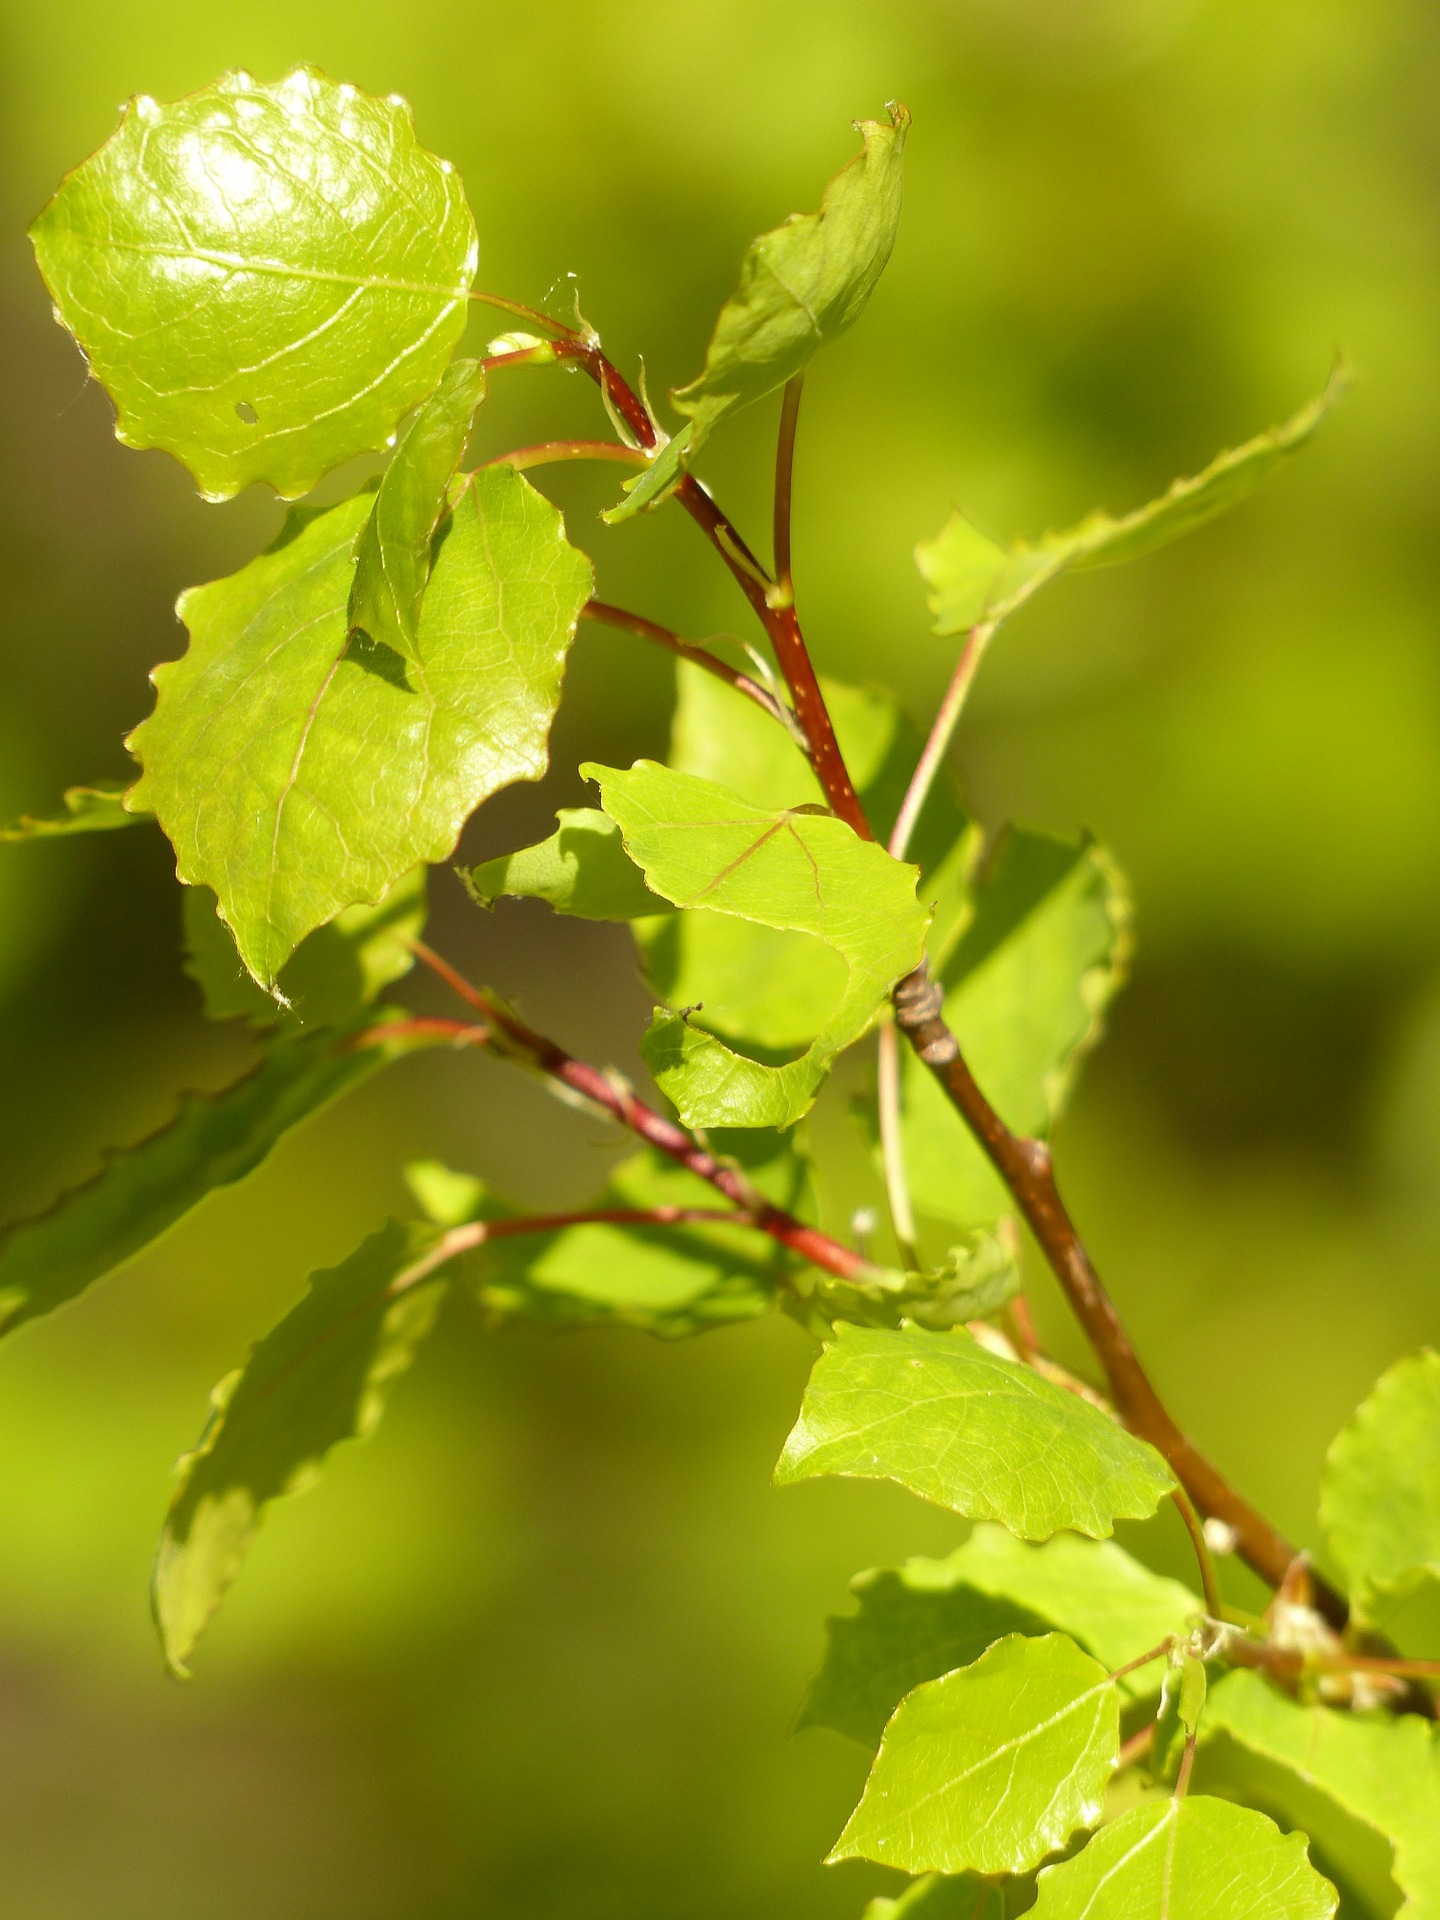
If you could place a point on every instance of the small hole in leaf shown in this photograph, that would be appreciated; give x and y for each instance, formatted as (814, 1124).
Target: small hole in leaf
(246, 412)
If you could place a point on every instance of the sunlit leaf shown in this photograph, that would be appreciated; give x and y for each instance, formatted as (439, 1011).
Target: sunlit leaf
(991, 1768)
(801, 285)
(1380, 1504)
(986, 1437)
(1026, 988)
(1192, 1859)
(317, 1378)
(214, 1140)
(582, 869)
(927, 1617)
(699, 845)
(392, 555)
(264, 278)
(972, 579)
(298, 775)
(333, 973)
(1305, 1764)
(97, 809)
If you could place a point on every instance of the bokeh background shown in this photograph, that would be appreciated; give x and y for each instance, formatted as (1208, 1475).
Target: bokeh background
(535, 1651)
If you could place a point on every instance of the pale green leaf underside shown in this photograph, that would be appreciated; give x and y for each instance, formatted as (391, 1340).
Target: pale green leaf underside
(986, 1437)
(801, 285)
(143, 1190)
(97, 809)
(699, 845)
(317, 1378)
(972, 579)
(297, 775)
(1380, 1498)
(331, 976)
(927, 1617)
(582, 869)
(1192, 1859)
(993, 1767)
(1026, 987)
(1382, 1772)
(264, 278)
(392, 555)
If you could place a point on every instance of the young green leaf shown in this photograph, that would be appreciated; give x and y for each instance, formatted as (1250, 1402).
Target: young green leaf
(973, 580)
(214, 1140)
(801, 285)
(1026, 988)
(97, 809)
(991, 1768)
(264, 278)
(333, 973)
(941, 1897)
(1192, 1859)
(923, 1619)
(699, 845)
(392, 555)
(317, 1378)
(955, 1423)
(1380, 1504)
(582, 869)
(298, 775)
(1381, 1773)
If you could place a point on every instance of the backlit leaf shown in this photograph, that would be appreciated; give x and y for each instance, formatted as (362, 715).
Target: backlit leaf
(699, 845)
(97, 809)
(1026, 988)
(392, 555)
(298, 775)
(1191, 1859)
(955, 1423)
(991, 1768)
(1380, 1773)
(317, 1378)
(214, 1140)
(264, 278)
(801, 285)
(333, 973)
(941, 1897)
(1380, 1504)
(927, 1617)
(582, 869)
(972, 579)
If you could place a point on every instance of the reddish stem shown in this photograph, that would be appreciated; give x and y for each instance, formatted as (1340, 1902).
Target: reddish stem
(608, 616)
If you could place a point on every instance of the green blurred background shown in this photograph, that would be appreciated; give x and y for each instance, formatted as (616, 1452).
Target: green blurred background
(535, 1651)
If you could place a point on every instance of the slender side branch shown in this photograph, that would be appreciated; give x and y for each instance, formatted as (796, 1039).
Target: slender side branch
(546, 453)
(477, 1233)
(518, 311)
(784, 479)
(607, 1092)
(942, 732)
(606, 615)
(892, 1152)
(1209, 1577)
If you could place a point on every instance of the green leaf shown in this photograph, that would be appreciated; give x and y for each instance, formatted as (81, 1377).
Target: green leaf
(986, 1437)
(1380, 1504)
(264, 278)
(1026, 988)
(97, 809)
(973, 580)
(991, 1768)
(940, 1897)
(801, 285)
(214, 1140)
(392, 555)
(297, 775)
(669, 1281)
(1382, 1774)
(1192, 1859)
(446, 1197)
(334, 973)
(699, 845)
(582, 869)
(927, 1617)
(317, 1378)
